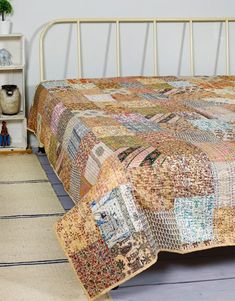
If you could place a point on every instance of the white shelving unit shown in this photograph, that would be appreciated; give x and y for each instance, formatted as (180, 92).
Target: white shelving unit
(15, 75)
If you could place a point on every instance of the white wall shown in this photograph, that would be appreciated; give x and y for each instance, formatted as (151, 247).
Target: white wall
(98, 41)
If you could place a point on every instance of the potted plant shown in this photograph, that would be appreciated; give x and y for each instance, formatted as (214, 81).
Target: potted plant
(5, 9)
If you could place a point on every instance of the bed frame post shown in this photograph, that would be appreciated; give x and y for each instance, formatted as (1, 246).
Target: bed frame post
(41, 55)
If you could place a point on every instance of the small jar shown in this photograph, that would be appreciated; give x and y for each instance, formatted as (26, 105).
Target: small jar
(10, 99)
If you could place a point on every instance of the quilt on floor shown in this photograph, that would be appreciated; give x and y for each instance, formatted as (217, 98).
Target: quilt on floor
(150, 163)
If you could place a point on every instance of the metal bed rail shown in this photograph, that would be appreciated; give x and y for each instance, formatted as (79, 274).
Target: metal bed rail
(189, 21)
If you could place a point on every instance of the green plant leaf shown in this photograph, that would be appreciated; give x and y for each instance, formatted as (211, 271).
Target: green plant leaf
(5, 8)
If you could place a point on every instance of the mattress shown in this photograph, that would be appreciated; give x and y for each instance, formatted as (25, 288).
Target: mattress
(149, 163)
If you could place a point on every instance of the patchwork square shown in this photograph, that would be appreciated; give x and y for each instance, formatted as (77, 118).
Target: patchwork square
(91, 122)
(90, 113)
(82, 86)
(105, 131)
(180, 83)
(98, 155)
(218, 152)
(120, 91)
(107, 85)
(138, 156)
(161, 87)
(131, 84)
(197, 137)
(116, 142)
(137, 123)
(140, 103)
(221, 129)
(55, 84)
(194, 217)
(39, 123)
(165, 229)
(104, 265)
(220, 113)
(224, 175)
(64, 119)
(149, 111)
(153, 96)
(59, 109)
(116, 215)
(224, 225)
(78, 132)
(147, 126)
(100, 98)
(211, 125)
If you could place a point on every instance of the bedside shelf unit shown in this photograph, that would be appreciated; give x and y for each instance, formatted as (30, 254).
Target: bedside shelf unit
(12, 67)
(14, 75)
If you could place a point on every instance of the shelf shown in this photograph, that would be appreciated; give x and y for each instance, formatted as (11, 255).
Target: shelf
(11, 67)
(14, 75)
(18, 135)
(18, 116)
(11, 147)
(12, 150)
(14, 43)
(11, 35)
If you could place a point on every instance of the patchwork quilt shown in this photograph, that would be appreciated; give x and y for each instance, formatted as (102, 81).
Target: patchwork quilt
(149, 163)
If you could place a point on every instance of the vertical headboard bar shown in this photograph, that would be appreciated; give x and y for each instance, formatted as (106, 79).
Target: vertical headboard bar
(155, 66)
(192, 72)
(227, 53)
(118, 62)
(41, 54)
(79, 57)
(190, 21)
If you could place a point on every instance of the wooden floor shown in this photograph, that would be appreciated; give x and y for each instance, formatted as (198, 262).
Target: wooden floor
(200, 276)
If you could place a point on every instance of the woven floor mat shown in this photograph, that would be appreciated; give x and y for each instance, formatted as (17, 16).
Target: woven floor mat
(20, 168)
(28, 198)
(27, 239)
(54, 282)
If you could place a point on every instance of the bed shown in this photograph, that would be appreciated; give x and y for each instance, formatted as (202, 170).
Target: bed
(149, 163)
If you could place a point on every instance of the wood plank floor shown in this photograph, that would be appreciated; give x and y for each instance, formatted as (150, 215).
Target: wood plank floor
(205, 275)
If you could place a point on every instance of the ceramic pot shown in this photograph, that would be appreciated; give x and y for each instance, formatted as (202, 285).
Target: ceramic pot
(5, 27)
(10, 99)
